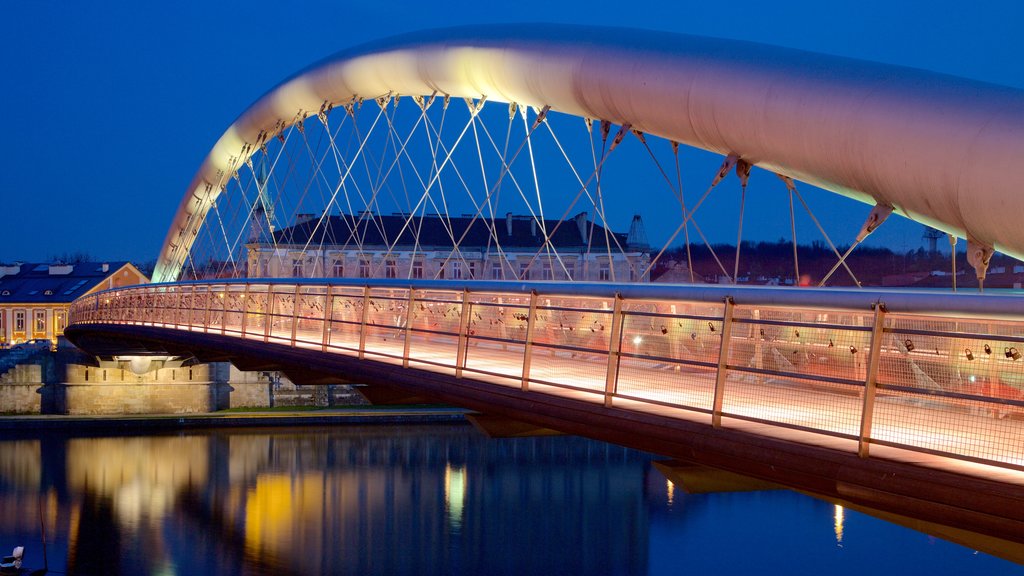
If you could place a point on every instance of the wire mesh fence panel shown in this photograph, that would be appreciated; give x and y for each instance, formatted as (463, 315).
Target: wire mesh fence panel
(500, 358)
(435, 322)
(234, 307)
(950, 385)
(310, 319)
(669, 352)
(580, 323)
(570, 368)
(499, 318)
(282, 307)
(256, 311)
(672, 383)
(215, 308)
(962, 427)
(385, 341)
(346, 317)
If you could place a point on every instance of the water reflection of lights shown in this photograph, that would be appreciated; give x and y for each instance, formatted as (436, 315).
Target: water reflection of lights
(454, 493)
(838, 518)
(670, 489)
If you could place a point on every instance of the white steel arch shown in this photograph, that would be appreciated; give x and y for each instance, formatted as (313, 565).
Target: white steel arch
(938, 149)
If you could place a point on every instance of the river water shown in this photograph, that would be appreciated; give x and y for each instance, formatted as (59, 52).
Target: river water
(427, 499)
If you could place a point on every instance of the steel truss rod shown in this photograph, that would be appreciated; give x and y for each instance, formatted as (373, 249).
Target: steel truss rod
(728, 164)
(791, 186)
(623, 130)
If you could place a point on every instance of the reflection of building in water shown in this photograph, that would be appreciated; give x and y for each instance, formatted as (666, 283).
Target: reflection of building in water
(341, 501)
(359, 498)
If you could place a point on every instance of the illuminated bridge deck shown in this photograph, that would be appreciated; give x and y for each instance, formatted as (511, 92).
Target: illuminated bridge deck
(905, 401)
(904, 375)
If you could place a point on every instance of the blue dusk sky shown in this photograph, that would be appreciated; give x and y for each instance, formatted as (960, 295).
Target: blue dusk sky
(110, 106)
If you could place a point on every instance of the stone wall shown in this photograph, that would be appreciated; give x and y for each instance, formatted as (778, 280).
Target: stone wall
(184, 390)
(19, 389)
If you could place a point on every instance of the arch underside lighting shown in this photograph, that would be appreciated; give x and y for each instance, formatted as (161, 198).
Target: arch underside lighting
(938, 149)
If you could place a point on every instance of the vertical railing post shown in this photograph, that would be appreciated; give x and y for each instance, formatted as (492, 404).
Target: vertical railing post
(614, 349)
(191, 307)
(362, 324)
(179, 290)
(460, 355)
(723, 359)
(528, 345)
(206, 314)
(295, 312)
(245, 308)
(268, 317)
(408, 327)
(224, 311)
(328, 313)
(867, 409)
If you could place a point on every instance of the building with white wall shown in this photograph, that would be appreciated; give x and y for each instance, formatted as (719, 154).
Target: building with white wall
(34, 297)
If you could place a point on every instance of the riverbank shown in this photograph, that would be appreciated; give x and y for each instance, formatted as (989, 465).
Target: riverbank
(234, 419)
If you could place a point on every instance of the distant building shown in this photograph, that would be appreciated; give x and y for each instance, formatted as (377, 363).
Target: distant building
(34, 298)
(400, 246)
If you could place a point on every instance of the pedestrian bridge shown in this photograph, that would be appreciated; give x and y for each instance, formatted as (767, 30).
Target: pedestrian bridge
(759, 381)
(908, 402)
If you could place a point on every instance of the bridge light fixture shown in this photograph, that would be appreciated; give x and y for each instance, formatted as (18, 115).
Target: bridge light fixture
(638, 340)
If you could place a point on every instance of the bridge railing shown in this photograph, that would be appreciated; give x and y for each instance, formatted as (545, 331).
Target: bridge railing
(946, 382)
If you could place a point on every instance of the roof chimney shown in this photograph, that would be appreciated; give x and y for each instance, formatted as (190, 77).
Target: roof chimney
(105, 267)
(533, 227)
(508, 223)
(60, 269)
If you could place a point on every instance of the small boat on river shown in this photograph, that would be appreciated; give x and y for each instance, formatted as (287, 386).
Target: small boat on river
(12, 564)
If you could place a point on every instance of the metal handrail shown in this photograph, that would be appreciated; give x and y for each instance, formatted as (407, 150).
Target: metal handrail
(858, 377)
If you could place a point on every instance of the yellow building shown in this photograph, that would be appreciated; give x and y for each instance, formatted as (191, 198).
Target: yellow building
(34, 298)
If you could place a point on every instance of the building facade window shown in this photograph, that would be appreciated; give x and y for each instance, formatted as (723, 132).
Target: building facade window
(472, 270)
(524, 271)
(60, 322)
(390, 269)
(417, 269)
(545, 271)
(604, 271)
(40, 322)
(364, 268)
(297, 271)
(495, 270)
(19, 321)
(3, 325)
(338, 268)
(456, 270)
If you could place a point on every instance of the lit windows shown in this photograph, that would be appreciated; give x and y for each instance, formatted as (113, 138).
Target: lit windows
(40, 322)
(546, 273)
(19, 320)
